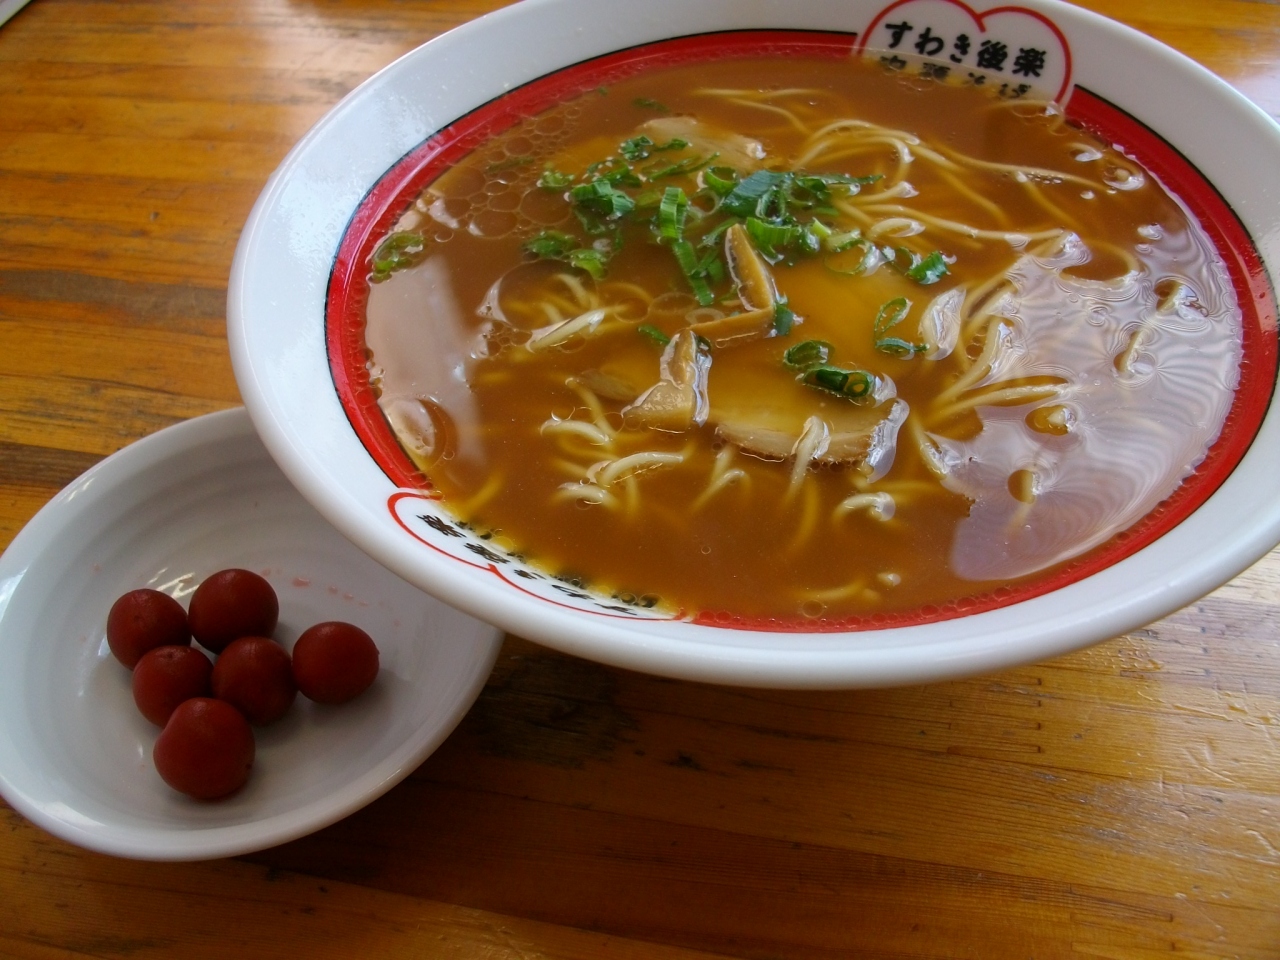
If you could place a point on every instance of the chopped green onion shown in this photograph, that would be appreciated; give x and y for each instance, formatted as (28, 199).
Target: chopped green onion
(752, 197)
(613, 171)
(784, 317)
(551, 245)
(648, 104)
(554, 245)
(637, 148)
(693, 271)
(835, 262)
(929, 270)
(897, 347)
(401, 249)
(671, 214)
(653, 333)
(806, 354)
(648, 198)
(923, 270)
(891, 314)
(553, 179)
(589, 259)
(840, 242)
(720, 180)
(850, 384)
(602, 198)
(812, 189)
(687, 165)
(771, 239)
(711, 266)
(768, 237)
(713, 236)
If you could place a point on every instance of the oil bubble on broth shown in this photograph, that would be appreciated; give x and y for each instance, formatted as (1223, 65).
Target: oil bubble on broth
(826, 347)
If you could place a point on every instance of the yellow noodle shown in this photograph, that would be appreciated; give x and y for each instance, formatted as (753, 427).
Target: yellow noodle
(1009, 396)
(835, 593)
(1124, 362)
(719, 483)
(901, 145)
(897, 227)
(588, 431)
(467, 508)
(614, 470)
(631, 490)
(583, 297)
(852, 123)
(1016, 169)
(878, 505)
(812, 443)
(587, 493)
(1051, 208)
(964, 189)
(808, 519)
(747, 93)
(929, 452)
(626, 286)
(992, 343)
(1130, 261)
(1016, 237)
(896, 191)
(937, 158)
(582, 325)
(570, 467)
(588, 396)
(791, 117)
(985, 301)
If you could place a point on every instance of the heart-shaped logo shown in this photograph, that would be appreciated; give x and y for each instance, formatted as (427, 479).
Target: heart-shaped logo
(1017, 51)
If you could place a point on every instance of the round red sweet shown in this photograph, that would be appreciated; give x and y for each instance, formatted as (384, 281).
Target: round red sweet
(142, 620)
(205, 750)
(232, 604)
(168, 676)
(334, 662)
(255, 676)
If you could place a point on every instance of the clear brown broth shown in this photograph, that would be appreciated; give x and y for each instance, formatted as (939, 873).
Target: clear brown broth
(758, 547)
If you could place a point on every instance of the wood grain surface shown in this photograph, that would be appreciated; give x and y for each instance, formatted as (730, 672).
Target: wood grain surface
(1123, 802)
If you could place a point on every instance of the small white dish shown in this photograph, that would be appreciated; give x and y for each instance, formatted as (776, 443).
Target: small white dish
(75, 754)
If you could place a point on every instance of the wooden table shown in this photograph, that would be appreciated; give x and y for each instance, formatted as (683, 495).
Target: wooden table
(1122, 802)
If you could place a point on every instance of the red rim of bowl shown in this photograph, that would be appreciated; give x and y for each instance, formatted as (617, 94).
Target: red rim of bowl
(387, 200)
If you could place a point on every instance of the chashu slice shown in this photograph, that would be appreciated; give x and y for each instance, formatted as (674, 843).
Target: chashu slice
(678, 400)
(854, 433)
(755, 287)
(742, 153)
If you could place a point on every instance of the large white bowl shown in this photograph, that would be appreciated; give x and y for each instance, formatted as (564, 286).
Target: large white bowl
(75, 754)
(282, 271)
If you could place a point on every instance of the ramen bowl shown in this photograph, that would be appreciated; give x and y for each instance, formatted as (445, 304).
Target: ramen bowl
(301, 281)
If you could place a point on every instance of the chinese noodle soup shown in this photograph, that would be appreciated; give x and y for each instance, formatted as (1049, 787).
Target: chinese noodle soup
(834, 344)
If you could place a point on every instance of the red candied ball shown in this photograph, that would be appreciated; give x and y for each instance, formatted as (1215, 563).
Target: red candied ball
(142, 620)
(232, 604)
(205, 750)
(254, 675)
(168, 676)
(334, 662)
